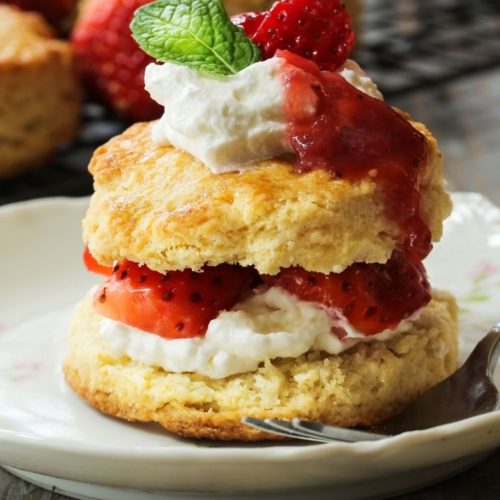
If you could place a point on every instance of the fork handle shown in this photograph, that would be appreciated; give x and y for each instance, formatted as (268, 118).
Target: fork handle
(485, 355)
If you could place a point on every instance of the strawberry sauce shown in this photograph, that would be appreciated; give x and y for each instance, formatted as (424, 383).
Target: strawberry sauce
(355, 136)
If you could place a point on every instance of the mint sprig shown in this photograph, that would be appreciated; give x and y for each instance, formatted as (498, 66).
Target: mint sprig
(195, 33)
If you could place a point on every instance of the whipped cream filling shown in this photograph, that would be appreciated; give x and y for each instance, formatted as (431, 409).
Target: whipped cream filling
(268, 324)
(229, 123)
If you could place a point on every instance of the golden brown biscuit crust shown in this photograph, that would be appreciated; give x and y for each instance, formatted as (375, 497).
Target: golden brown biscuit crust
(40, 97)
(362, 386)
(160, 206)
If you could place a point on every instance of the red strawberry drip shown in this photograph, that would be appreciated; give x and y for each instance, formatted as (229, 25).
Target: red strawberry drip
(373, 297)
(319, 30)
(354, 136)
(178, 304)
(110, 61)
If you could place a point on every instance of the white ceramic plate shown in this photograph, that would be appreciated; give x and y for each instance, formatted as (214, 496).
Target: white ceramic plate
(46, 429)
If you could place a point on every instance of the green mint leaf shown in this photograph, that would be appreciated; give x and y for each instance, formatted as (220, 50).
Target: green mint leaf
(195, 33)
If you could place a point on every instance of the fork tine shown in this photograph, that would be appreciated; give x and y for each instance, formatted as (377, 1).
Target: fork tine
(304, 432)
(286, 425)
(334, 433)
(310, 431)
(261, 425)
(283, 428)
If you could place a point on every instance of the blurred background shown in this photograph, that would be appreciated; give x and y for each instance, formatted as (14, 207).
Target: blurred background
(437, 59)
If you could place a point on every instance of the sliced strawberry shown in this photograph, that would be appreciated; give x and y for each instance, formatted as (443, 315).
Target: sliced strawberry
(93, 266)
(319, 30)
(178, 304)
(110, 61)
(373, 297)
(249, 21)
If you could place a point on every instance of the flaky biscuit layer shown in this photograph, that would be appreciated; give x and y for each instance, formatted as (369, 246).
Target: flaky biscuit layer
(362, 386)
(162, 207)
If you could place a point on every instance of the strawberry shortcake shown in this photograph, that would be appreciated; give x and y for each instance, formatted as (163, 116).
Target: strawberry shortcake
(261, 245)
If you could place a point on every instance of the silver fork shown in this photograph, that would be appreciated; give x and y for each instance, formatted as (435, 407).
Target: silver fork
(467, 393)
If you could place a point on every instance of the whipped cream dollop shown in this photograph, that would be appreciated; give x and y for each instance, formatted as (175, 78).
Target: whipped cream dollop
(229, 123)
(267, 325)
(221, 121)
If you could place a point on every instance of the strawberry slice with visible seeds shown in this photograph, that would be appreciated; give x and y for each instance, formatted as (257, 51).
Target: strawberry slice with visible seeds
(178, 304)
(373, 297)
(319, 30)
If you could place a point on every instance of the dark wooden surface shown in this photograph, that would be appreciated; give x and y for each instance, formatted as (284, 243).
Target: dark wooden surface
(465, 117)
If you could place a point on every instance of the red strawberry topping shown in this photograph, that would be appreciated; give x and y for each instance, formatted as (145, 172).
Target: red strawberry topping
(355, 136)
(319, 30)
(110, 61)
(178, 304)
(373, 297)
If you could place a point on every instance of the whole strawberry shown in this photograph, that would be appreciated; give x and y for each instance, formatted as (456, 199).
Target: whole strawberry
(110, 61)
(249, 21)
(319, 30)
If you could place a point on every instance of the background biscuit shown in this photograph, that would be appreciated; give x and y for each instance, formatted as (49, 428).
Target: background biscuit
(40, 97)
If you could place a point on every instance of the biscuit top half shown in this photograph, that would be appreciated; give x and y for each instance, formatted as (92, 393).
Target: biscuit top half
(162, 207)
(269, 154)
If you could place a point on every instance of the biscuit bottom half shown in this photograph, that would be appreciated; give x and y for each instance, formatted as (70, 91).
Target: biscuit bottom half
(360, 387)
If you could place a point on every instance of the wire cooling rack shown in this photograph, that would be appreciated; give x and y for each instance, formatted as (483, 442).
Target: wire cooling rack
(404, 45)
(407, 45)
